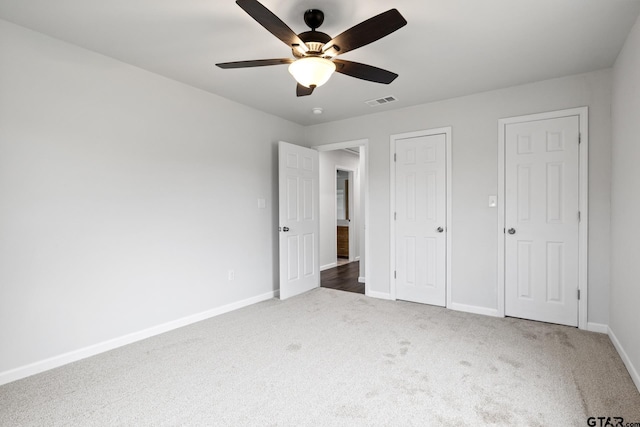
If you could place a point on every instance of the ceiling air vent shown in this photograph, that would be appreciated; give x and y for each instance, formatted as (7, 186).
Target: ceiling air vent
(381, 101)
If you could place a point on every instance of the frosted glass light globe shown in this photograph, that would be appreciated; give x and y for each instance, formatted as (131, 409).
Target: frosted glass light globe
(312, 71)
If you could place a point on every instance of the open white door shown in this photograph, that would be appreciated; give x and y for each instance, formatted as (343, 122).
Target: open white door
(299, 223)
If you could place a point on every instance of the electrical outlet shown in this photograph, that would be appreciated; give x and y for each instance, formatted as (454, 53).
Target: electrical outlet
(231, 275)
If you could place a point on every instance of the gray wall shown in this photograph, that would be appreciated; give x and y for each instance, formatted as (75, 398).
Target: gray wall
(475, 137)
(125, 198)
(625, 204)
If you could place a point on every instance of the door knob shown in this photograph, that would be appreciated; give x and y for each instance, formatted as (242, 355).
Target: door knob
(285, 229)
(511, 231)
(439, 229)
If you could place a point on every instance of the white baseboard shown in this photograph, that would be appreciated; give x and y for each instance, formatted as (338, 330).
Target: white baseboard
(474, 309)
(328, 266)
(73, 356)
(379, 295)
(597, 327)
(361, 280)
(625, 358)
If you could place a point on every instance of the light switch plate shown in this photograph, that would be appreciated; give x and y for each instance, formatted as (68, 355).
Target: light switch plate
(493, 201)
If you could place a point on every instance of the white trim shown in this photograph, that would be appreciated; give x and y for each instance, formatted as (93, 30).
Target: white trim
(583, 206)
(342, 145)
(447, 131)
(392, 220)
(365, 144)
(500, 292)
(75, 355)
(597, 327)
(449, 227)
(625, 359)
(357, 258)
(474, 309)
(379, 295)
(367, 234)
(328, 266)
(583, 249)
(361, 279)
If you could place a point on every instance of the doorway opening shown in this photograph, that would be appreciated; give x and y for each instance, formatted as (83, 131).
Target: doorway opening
(343, 215)
(346, 233)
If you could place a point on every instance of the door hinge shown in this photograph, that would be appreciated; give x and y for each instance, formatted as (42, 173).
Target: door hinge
(504, 230)
(395, 157)
(578, 293)
(579, 216)
(579, 138)
(395, 216)
(394, 274)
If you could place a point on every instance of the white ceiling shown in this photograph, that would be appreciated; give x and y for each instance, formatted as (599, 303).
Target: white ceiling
(449, 47)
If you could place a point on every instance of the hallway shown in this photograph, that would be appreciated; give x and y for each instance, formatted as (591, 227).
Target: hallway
(343, 278)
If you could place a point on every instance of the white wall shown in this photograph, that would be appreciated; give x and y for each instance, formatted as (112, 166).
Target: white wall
(125, 198)
(475, 132)
(625, 204)
(329, 161)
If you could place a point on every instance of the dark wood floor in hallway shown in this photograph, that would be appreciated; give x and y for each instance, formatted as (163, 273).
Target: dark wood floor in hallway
(343, 278)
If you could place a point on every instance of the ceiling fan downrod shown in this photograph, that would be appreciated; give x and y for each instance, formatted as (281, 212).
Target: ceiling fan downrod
(313, 18)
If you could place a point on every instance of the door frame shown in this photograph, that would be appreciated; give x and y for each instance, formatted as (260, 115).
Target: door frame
(364, 257)
(447, 131)
(583, 203)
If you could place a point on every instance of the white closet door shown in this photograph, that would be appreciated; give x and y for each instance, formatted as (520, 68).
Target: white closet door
(541, 220)
(421, 219)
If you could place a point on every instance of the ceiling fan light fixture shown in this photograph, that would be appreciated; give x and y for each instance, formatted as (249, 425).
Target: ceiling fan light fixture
(312, 71)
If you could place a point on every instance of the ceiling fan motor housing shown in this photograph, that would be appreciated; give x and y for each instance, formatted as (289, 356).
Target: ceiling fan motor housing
(314, 40)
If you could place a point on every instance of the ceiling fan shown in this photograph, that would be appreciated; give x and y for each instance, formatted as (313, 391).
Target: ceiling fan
(314, 52)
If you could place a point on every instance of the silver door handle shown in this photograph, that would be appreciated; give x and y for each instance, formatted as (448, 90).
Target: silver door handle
(511, 231)
(439, 229)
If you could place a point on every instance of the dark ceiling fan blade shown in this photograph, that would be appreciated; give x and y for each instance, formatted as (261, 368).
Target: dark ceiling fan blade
(272, 23)
(303, 90)
(364, 71)
(255, 63)
(367, 32)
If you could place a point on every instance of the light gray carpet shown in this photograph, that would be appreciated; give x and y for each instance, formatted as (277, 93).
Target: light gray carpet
(335, 358)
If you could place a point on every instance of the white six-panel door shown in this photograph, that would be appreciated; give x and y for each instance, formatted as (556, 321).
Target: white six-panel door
(299, 222)
(420, 219)
(541, 220)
